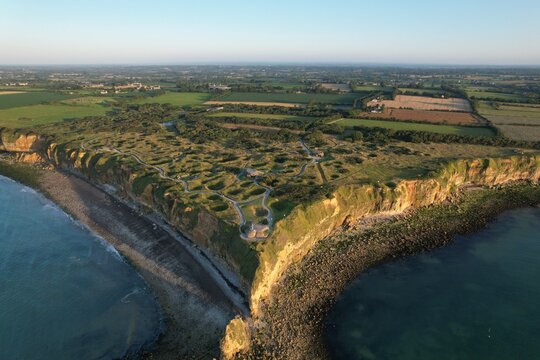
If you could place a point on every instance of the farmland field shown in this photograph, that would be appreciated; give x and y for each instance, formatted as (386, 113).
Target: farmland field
(11, 92)
(30, 98)
(434, 117)
(176, 98)
(440, 129)
(87, 100)
(261, 116)
(516, 121)
(517, 132)
(487, 95)
(422, 91)
(527, 112)
(424, 103)
(372, 88)
(27, 116)
(336, 87)
(335, 99)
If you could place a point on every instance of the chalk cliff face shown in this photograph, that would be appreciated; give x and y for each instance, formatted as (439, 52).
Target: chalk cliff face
(20, 143)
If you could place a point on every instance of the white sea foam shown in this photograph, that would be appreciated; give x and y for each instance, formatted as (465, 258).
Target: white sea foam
(26, 189)
(135, 291)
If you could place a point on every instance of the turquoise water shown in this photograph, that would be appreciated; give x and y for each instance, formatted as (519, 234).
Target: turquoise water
(478, 298)
(64, 293)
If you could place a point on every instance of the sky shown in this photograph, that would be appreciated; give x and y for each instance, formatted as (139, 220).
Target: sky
(464, 32)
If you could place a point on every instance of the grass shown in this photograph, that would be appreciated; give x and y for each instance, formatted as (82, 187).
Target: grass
(24, 174)
(517, 132)
(510, 110)
(176, 98)
(337, 99)
(481, 94)
(372, 88)
(400, 125)
(422, 91)
(261, 116)
(516, 121)
(28, 116)
(87, 100)
(30, 98)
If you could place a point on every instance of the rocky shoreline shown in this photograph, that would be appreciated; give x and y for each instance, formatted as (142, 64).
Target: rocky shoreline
(291, 323)
(195, 307)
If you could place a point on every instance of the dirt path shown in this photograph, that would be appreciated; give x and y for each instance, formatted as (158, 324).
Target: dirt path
(236, 204)
(195, 306)
(314, 160)
(11, 92)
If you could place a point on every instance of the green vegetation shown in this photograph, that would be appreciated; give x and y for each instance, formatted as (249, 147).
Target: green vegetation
(260, 116)
(491, 95)
(26, 175)
(30, 116)
(30, 98)
(294, 98)
(176, 99)
(515, 121)
(400, 125)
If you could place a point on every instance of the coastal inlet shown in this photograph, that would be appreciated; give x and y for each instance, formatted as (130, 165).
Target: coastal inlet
(474, 299)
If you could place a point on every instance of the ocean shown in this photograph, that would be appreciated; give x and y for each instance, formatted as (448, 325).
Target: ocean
(477, 298)
(64, 292)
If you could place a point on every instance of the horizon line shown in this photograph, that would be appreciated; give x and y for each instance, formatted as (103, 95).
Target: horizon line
(278, 63)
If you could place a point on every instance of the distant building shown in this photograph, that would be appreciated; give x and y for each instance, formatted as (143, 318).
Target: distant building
(215, 108)
(258, 231)
(253, 172)
(218, 87)
(337, 87)
(94, 86)
(131, 86)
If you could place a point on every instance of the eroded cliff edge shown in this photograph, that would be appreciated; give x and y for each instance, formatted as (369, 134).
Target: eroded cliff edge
(306, 226)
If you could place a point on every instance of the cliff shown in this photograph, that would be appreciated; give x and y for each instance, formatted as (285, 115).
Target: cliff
(135, 183)
(14, 141)
(295, 236)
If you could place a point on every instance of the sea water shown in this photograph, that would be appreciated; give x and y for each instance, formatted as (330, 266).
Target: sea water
(478, 298)
(65, 293)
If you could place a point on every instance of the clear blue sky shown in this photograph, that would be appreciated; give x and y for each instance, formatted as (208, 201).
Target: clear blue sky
(212, 31)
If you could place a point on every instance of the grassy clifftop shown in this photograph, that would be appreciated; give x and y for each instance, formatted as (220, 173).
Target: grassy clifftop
(161, 195)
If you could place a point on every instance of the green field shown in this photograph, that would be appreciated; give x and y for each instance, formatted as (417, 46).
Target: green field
(400, 125)
(30, 98)
(432, 92)
(516, 121)
(481, 94)
(525, 111)
(372, 88)
(28, 116)
(336, 99)
(261, 116)
(87, 100)
(176, 98)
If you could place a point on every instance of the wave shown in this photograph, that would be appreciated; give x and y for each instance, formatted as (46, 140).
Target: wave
(134, 292)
